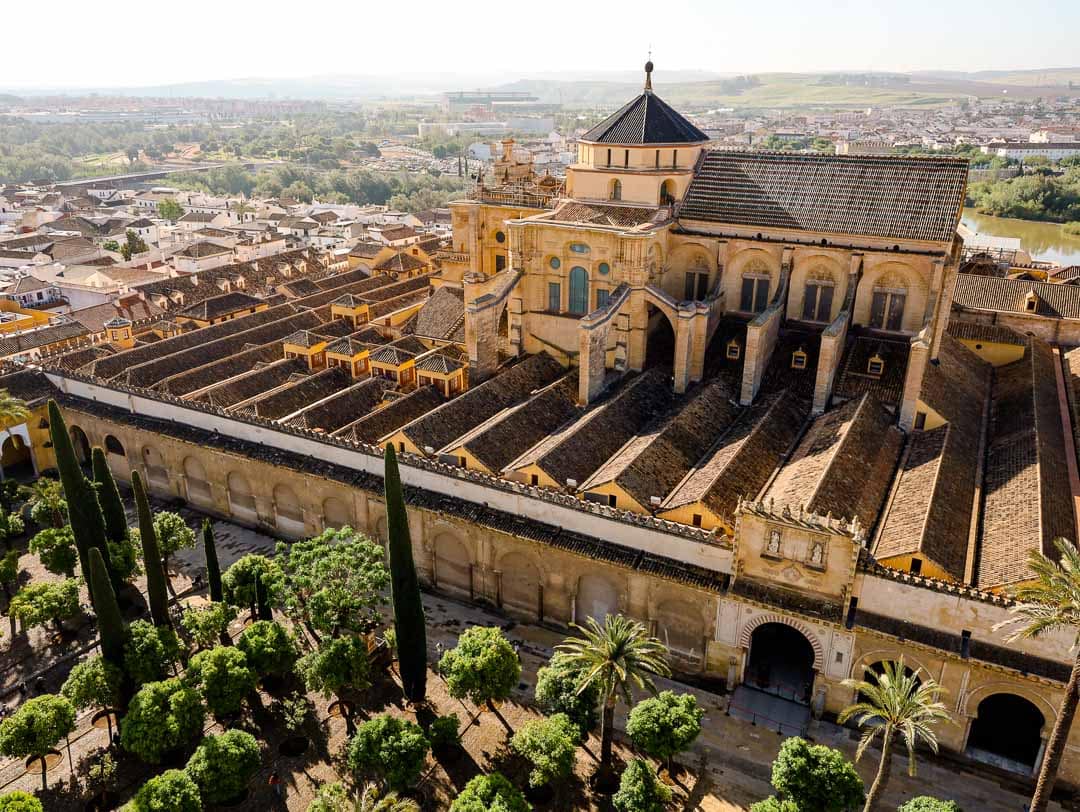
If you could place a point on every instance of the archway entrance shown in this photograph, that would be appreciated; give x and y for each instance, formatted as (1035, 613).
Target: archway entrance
(660, 344)
(16, 460)
(82, 445)
(1007, 733)
(781, 663)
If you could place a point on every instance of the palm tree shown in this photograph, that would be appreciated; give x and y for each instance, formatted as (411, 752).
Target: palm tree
(896, 701)
(12, 410)
(1050, 602)
(369, 799)
(615, 656)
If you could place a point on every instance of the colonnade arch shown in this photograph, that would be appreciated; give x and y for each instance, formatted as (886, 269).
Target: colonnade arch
(453, 565)
(198, 486)
(1007, 732)
(520, 585)
(81, 444)
(288, 512)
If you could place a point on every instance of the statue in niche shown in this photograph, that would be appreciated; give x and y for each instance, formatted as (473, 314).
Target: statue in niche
(773, 547)
(817, 554)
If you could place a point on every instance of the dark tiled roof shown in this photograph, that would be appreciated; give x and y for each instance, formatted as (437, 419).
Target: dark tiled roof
(94, 318)
(908, 198)
(745, 456)
(440, 426)
(366, 250)
(220, 371)
(653, 463)
(1027, 501)
(648, 119)
(13, 344)
(293, 398)
(254, 382)
(853, 380)
(217, 306)
(1010, 296)
(441, 314)
(605, 215)
(844, 463)
(393, 415)
(988, 333)
(344, 407)
(199, 250)
(28, 385)
(581, 448)
(439, 362)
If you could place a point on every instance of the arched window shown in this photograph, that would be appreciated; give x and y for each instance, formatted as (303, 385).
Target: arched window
(667, 192)
(754, 296)
(818, 298)
(113, 446)
(887, 308)
(579, 291)
(616, 189)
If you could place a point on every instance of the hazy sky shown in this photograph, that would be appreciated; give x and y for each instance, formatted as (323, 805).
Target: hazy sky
(134, 42)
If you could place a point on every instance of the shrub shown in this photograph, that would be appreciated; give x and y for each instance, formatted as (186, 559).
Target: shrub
(926, 803)
(149, 651)
(483, 666)
(815, 777)
(46, 603)
(55, 548)
(665, 725)
(222, 766)
(549, 745)
(640, 790)
(93, 683)
(224, 676)
(389, 748)
(1074, 230)
(558, 687)
(774, 804)
(19, 801)
(334, 665)
(206, 625)
(270, 649)
(172, 791)
(238, 581)
(162, 716)
(444, 731)
(490, 793)
(36, 728)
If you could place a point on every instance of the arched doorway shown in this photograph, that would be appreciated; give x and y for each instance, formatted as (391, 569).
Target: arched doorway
(680, 627)
(667, 192)
(453, 566)
(16, 459)
(241, 498)
(288, 514)
(781, 662)
(660, 345)
(1007, 733)
(198, 486)
(335, 513)
(520, 585)
(597, 598)
(504, 333)
(82, 445)
(117, 457)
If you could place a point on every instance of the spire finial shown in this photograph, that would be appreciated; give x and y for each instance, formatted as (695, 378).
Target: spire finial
(648, 72)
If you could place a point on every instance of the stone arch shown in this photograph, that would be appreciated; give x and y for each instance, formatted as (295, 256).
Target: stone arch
(241, 497)
(114, 446)
(453, 565)
(667, 192)
(380, 530)
(688, 262)
(17, 459)
(336, 513)
(1007, 732)
(817, 270)
(970, 703)
(157, 473)
(288, 511)
(680, 625)
(760, 620)
(81, 443)
(889, 279)
(596, 597)
(520, 587)
(198, 486)
(615, 189)
(750, 263)
(868, 659)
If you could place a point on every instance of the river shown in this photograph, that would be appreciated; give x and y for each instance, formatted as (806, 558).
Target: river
(1044, 241)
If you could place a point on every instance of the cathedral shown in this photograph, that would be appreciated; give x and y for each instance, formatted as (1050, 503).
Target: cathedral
(763, 402)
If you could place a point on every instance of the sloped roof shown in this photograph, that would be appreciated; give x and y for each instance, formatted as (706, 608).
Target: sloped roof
(648, 119)
(902, 197)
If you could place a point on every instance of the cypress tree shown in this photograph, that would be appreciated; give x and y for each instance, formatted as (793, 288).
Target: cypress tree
(262, 603)
(110, 623)
(84, 511)
(156, 593)
(213, 569)
(409, 622)
(112, 508)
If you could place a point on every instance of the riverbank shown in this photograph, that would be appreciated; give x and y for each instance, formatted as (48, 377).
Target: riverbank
(1047, 242)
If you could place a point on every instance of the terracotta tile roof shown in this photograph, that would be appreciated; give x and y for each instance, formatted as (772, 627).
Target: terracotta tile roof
(654, 463)
(853, 378)
(606, 215)
(391, 356)
(303, 338)
(579, 449)
(439, 362)
(217, 306)
(27, 284)
(187, 381)
(366, 250)
(16, 343)
(744, 457)
(342, 408)
(440, 426)
(93, 318)
(441, 314)
(401, 262)
(28, 385)
(989, 333)
(1010, 296)
(932, 505)
(393, 415)
(648, 119)
(1027, 500)
(907, 198)
(293, 397)
(199, 250)
(844, 463)
(495, 442)
(255, 382)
